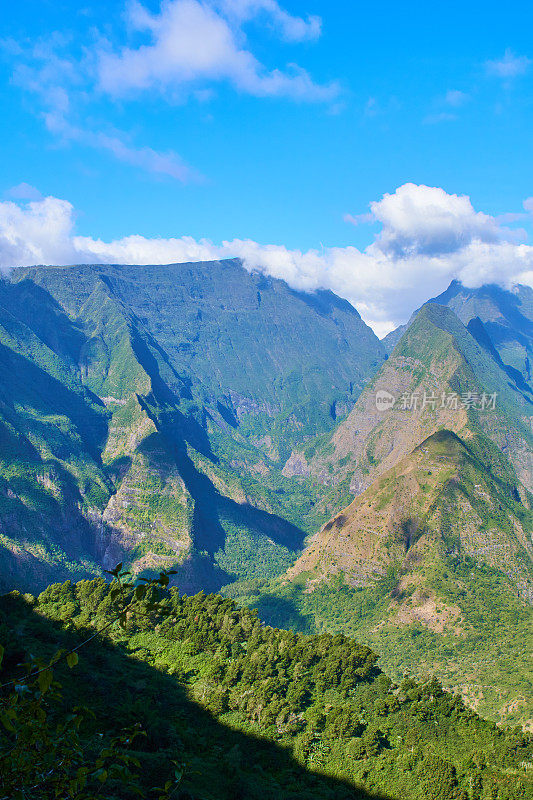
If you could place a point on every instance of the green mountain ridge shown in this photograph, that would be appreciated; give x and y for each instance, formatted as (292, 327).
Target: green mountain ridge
(436, 356)
(506, 315)
(180, 392)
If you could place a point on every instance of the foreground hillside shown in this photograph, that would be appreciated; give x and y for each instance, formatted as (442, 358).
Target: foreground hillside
(148, 414)
(248, 711)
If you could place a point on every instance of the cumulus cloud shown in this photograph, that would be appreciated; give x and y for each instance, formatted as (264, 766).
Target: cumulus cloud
(426, 220)
(509, 66)
(191, 42)
(427, 237)
(36, 232)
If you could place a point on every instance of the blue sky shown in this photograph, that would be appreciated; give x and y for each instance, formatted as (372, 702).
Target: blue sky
(273, 123)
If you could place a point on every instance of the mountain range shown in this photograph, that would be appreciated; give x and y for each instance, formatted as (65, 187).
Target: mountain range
(263, 442)
(505, 315)
(148, 413)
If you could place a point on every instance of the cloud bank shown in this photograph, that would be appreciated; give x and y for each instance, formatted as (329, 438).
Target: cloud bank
(427, 237)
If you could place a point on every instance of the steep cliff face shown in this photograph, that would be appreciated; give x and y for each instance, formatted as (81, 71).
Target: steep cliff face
(506, 315)
(274, 359)
(147, 415)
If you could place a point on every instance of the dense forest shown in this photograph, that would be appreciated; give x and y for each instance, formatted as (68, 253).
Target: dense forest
(193, 697)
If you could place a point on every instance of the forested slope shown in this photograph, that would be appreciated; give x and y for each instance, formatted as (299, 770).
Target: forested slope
(255, 712)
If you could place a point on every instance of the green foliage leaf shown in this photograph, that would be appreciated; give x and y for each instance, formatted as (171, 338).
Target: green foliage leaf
(45, 679)
(6, 722)
(72, 659)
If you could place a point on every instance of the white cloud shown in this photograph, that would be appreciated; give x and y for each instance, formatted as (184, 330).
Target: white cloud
(190, 46)
(358, 219)
(291, 28)
(427, 220)
(52, 79)
(145, 158)
(455, 98)
(193, 42)
(509, 66)
(427, 238)
(36, 232)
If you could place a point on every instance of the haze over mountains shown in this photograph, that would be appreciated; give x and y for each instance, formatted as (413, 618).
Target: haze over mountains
(208, 419)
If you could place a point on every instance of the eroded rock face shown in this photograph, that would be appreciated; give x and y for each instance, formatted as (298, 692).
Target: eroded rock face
(296, 466)
(439, 494)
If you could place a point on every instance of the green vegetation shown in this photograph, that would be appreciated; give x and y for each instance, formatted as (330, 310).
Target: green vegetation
(448, 583)
(485, 656)
(42, 752)
(166, 402)
(149, 415)
(244, 710)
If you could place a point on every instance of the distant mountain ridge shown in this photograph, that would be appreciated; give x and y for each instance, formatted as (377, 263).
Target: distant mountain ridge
(507, 317)
(179, 392)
